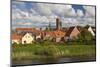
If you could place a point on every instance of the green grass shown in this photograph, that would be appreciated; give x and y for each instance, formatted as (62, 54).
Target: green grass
(50, 49)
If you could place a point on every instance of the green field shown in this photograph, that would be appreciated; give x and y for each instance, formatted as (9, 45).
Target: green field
(52, 50)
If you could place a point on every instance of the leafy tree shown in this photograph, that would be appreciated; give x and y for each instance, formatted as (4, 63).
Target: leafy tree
(87, 26)
(85, 36)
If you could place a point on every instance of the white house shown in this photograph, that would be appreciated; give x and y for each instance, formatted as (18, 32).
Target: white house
(91, 30)
(27, 38)
(15, 41)
(38, 36)
(15, 38)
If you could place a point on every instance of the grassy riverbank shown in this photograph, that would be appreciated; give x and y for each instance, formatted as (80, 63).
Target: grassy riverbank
(48, 50)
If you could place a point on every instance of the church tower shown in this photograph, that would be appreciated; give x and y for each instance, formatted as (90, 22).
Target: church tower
(58, 24)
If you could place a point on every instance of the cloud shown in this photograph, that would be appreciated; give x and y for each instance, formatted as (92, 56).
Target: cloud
(42, 9)
(90, 11)
(33, 12)
(80, 13)
(24, 23)
(46, 10)
(55, 9)
(16, 14)
(40, 14)
(63, 10)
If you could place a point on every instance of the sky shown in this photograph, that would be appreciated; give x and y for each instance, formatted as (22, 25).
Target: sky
(38, 15)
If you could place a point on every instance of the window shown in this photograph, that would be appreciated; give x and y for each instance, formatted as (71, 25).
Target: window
(24, 42)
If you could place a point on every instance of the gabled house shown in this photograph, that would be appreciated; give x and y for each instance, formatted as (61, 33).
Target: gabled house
(59, 35)
(23, 31)
(28, 38)
(56, 35)
(48, 35)
(91, 30)
(38, 36)
(72, 33)
(15, 38)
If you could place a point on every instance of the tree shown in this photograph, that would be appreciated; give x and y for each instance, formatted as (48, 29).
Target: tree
(87, 26)
(85, 36)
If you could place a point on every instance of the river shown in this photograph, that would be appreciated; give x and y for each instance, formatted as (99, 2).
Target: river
(52, 61)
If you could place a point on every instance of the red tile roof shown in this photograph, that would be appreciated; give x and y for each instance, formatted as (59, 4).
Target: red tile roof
(15, 37)
(29, 30)
(24, 29)
(56, 33)
(59, 33)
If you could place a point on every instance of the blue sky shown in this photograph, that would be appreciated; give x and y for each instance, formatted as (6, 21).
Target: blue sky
(30, 14)
(78, 7)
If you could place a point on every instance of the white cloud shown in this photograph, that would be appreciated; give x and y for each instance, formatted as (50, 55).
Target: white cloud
(16, 14)
(41, 14)
(27, 23)
(63, 10)
(42, 9)
(71, 12)
(24, 23)
(33, 12)
(80, 13)
(90, 11)
(38, 18)
(51, 9)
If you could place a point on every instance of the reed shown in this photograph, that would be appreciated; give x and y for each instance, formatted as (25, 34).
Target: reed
(48, 50)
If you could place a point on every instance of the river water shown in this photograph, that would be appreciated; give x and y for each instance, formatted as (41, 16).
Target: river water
(52, 61)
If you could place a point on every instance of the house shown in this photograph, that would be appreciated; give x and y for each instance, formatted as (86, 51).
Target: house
(28, 38)
(72, 33)
(91, 30)
(15, 38)
(47, 35)
(32, 33)
(22, 31)
(56, 35)
(59, 35)
(38, 36)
